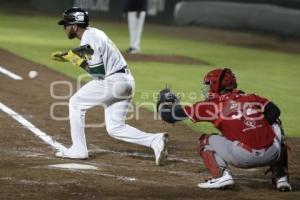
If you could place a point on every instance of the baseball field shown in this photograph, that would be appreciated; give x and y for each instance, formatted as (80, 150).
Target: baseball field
(34, 112)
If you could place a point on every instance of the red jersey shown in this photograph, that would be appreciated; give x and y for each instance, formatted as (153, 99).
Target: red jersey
(238, 116)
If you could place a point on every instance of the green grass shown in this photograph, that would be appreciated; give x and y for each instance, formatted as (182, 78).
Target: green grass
(270, 74)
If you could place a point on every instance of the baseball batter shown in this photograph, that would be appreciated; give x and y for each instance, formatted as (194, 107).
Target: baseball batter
(112, 87)
(252, 134)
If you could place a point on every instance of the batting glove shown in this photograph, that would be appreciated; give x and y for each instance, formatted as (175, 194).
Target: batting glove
(75, 59)
(58, 56)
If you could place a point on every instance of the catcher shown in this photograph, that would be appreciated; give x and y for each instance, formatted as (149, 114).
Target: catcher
(252, 134)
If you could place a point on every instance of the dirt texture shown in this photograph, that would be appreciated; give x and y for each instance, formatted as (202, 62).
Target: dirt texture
(124, 171)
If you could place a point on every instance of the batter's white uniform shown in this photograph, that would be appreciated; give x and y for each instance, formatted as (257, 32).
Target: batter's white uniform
(112, 88)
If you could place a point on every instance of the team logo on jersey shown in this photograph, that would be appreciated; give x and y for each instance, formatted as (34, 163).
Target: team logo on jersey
(250, 124)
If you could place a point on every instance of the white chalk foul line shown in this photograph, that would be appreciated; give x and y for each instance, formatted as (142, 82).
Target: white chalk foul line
(42, 135)
(47, 139)
(56, 145)
(10, 74)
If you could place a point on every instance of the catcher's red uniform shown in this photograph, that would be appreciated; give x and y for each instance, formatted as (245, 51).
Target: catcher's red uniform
(252, 134)
(238, 116)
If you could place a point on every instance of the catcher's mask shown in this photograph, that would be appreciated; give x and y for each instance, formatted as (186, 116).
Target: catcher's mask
(219, 81)
(75, 15)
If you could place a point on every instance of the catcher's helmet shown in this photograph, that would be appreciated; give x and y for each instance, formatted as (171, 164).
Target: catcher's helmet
(75, 15)
(220, 80)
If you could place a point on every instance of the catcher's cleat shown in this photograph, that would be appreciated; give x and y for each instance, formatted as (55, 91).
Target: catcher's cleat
(222, 182)
(71, 155)
(161, 149)
(283, 185)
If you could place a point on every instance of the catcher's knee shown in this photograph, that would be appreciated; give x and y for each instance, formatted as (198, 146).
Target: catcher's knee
(208, 156)
(202, 142)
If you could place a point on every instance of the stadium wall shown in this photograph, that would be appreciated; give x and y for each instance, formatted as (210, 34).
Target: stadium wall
(271, 16)
(243, 16)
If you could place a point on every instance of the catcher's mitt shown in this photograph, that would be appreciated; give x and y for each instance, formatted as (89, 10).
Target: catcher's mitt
(166, 97)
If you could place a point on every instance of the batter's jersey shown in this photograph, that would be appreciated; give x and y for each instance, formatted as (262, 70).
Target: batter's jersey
(107, 58)
(238, 116)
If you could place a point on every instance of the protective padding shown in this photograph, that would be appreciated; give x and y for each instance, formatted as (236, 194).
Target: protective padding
(208, 157)
(211, 164)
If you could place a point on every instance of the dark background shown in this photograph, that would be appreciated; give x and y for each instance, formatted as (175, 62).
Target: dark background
(56, 7)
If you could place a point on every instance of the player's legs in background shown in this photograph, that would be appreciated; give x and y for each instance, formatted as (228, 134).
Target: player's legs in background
(131, 17)
(139, 30)
(135, 26)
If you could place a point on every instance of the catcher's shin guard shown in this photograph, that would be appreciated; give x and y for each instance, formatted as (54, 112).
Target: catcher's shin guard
(280, 168)
(211, 164)
(208, 157)
(280, 175)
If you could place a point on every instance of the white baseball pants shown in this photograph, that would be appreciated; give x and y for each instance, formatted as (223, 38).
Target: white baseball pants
(135, 25)
(114, 93)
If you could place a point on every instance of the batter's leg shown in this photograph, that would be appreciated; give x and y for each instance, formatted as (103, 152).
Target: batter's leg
(115, 116)
(91, 94)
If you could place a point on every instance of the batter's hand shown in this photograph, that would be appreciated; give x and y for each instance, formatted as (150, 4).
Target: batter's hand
(75, 59)
(58, 55)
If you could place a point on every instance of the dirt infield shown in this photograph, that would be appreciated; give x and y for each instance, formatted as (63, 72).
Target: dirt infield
(121, 170)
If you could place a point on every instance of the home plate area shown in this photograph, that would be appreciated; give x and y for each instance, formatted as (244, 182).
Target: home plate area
(114, 169)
